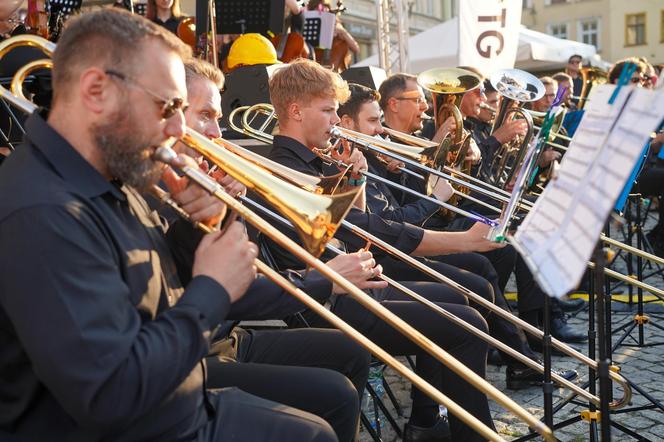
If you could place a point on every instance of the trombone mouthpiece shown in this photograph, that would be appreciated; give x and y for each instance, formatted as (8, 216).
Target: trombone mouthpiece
(426, 117)
(164, 154)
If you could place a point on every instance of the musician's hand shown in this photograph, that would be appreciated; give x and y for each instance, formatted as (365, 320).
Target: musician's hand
(441, 188)
(547, 157)
(199, 204)
(5, 151)
(353, 157)
(232, 186)
(476, 239)
(510, 130)
(448, 127)
(228, 258)
(474, 154)
(394, 166)
(359, 268)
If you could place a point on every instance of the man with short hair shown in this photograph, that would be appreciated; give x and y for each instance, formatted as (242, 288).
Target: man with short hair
(101, 340)
(299, 368)
(565, 83)
(573, 69)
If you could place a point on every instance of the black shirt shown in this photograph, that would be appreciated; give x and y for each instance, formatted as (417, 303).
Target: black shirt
(297, 156)
(171, 24)
(487, 143)
(99, 338)
(383, 201)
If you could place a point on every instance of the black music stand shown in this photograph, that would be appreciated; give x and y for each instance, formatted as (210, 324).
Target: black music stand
(243, 16)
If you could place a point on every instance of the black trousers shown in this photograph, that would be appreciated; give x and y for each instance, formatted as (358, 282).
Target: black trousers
(243, 417)
(475, 272)
(468, 349)
(308, 369)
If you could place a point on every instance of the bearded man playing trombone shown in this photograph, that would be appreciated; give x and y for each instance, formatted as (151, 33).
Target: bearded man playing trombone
(101, 340)
(306, 96)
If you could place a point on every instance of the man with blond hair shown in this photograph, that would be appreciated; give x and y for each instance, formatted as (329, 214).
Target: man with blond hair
(306, 97)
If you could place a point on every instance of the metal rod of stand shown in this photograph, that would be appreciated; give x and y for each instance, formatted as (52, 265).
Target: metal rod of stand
(603, 363)
(639, 269)
(547, 385)
(608, 327)
(592, 336)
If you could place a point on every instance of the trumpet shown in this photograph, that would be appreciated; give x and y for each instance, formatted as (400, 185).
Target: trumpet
(316, 220)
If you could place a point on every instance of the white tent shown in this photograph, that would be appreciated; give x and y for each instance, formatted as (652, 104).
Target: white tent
(437, 47)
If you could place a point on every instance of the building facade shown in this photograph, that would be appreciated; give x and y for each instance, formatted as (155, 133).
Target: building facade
(618, 28)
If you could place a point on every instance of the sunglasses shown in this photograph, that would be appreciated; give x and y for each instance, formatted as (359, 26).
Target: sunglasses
(636, 80)
(169, 107)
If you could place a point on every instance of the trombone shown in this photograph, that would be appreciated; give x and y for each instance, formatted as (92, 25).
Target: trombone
(292, 177)
(260, 161)
(316, 220)
(419, 157)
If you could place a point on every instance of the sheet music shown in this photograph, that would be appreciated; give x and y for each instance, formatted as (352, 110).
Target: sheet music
(558, 236)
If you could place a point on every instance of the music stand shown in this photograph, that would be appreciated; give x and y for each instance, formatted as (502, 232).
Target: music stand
(243, 16)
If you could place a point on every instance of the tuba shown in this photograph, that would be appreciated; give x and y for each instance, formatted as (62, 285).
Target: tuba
(516, 87)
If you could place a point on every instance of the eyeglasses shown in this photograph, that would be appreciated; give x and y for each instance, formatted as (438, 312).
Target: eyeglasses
(169, 107)
(575, 61)
(550, 95)
(417, 100)
(636, 80)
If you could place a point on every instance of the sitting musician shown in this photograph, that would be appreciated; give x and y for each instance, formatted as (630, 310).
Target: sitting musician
(165, 13)
(101, 340)
(549, 155)
(406, 116)
(361, 113)
(277, 365)
(307, 112)
(565, 82)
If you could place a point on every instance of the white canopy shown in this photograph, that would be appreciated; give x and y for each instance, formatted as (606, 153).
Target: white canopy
(437, 47)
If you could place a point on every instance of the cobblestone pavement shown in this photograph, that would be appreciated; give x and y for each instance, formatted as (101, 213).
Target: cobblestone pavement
(643, 366)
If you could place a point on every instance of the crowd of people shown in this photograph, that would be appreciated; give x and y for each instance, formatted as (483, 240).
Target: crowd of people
(120, 318)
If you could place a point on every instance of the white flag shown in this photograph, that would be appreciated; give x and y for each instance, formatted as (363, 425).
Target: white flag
(489, 33)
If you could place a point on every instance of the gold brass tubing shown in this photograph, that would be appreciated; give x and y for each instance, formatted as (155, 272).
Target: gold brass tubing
(628, 280)
(340, 324)
(24, 71)
(632, 250)
(627, 392)
(371, 304)
(499, 345)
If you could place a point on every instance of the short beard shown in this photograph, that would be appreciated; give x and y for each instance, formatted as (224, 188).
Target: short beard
(126, 152)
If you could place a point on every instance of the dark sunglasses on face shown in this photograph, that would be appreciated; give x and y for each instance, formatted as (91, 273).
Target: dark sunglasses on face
(169, 107)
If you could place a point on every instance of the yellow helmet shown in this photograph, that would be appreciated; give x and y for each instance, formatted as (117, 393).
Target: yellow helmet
(250, 49)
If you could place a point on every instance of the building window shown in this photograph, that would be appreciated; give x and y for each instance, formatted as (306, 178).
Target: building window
(589, 32)
(554, 2)
(558, 30)
(635, 29)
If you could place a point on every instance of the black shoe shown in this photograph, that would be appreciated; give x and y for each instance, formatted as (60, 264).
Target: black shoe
(536, 345)
(519, 378)
(494, 358)
(439, 432)
(560, 330)
(571, 305)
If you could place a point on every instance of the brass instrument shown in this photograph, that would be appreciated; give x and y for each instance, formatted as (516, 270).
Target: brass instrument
(481, 301)
(492, 110)
(316, 220)
(432, 305)
(591, 77)
(516, 87)
(418, 157)
(447, 87)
